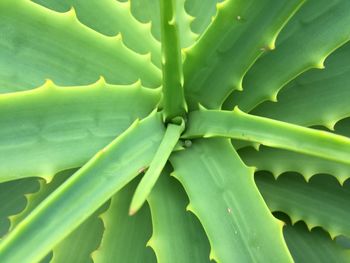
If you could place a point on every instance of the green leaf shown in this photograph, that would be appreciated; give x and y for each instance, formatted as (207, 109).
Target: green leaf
(69, 125)
(316, 97)
(239, 125)
(186, 35)
(125, 237)
(316, 31)
(38, 43)
(78, 245)
(117, 18)
(177, 235)
(148, 11)
(224, 197)
(320, 202)
(343, 241)
(43, 191)
(71, 249)
(171, 137)
(202, 12)
(67, 207)
(343, 127)
(59, 6)
(173, 95)
(314, 246)
(13, 196)
(240, 32)
(279, 161)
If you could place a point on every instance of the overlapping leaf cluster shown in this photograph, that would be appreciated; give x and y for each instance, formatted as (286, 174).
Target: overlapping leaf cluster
(222, 127)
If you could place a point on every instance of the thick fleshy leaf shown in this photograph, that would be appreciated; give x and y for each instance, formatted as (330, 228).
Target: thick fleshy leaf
(148, 11)
(117, 19)
(240, 32)
(92, 185)
(279, 161)
(78, 245)
(43, 191)
(314, 246)
(316, 97)
(173, 94)
(319, 28)
(320, 202)
(239, 125)
(13, 199)
(37, 43)
(62, 128)
(71, 249)
(167, 145)
(125, 237)
(177, 235)
(215, 175)
(59, 6)
(186, 35)
(202, 12)
(343, 127)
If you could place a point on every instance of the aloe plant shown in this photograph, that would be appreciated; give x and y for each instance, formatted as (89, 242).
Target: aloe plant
(174, 131)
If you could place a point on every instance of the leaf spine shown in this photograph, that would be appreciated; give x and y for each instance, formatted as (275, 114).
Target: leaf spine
(71, 14)
(101, 82)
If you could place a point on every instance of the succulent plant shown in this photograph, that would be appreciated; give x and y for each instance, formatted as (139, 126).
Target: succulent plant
(174, 131)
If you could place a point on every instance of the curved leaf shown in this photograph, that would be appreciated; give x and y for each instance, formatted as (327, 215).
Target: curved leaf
(177, 235)
(316, 97)
(117, 18)
(13, 196)
(171, 137)
(239, 125)
(320, 202)
(317, 30)
(43, 191)
(125, 237)
(224, 197)
(279, 161)
(314, 246)
(202, 12)
(70, 249)
(173, 94)
(67, 207)
(148, 11)
(240, 32)
(38, 43)
(62, 128)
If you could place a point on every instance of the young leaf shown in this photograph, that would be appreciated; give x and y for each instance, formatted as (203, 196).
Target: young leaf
(173, 95)
(171, 137)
